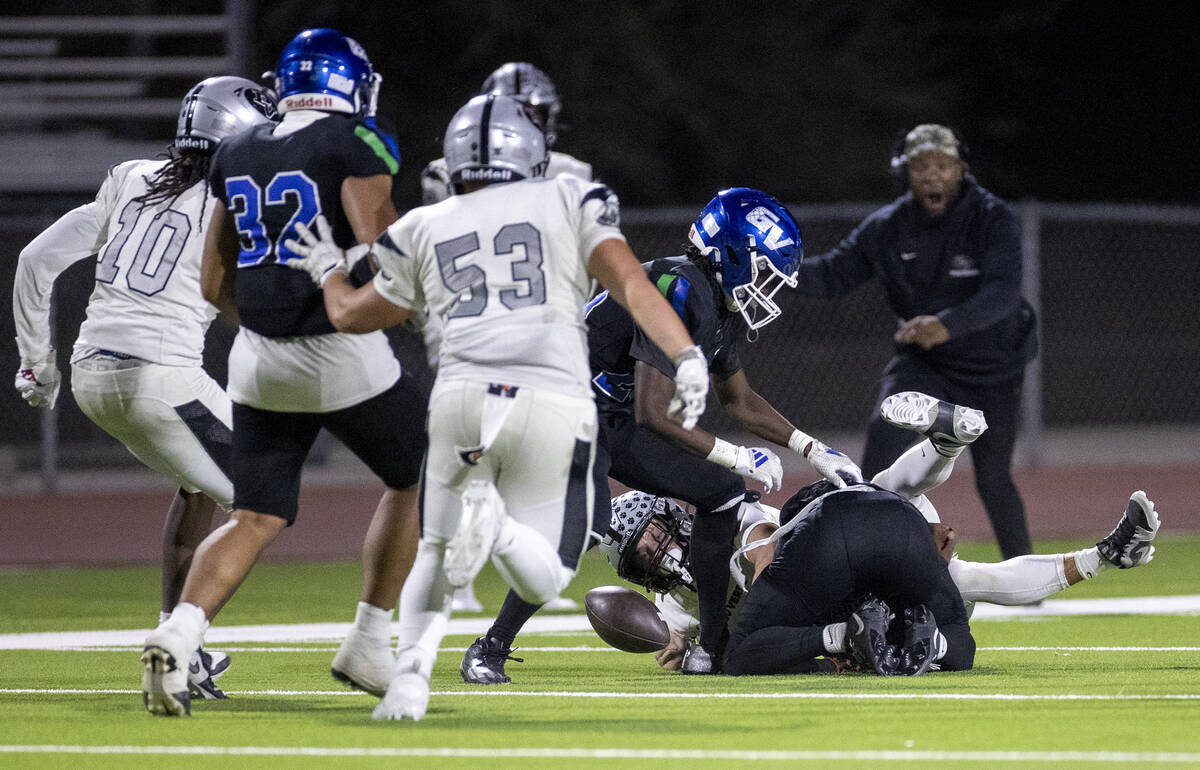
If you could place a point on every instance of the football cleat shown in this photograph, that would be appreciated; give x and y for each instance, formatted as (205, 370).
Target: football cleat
(923, 643)
(698, 660)
(1129, 544)
(464, 600)
(364, 663)
(943, 423)
(866, 637)
(561, 604)
(482, 516)
(407, 695)
(165, 675)
(483, 662)
(204, 669)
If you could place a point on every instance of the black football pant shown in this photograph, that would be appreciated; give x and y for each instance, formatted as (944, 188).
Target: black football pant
(991, 453)
(856, 542)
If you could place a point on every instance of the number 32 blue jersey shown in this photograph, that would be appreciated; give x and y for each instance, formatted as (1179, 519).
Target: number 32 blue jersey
(269, 180)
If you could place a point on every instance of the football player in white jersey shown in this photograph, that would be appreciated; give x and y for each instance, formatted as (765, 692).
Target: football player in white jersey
(533, 88)
(647, 542)
(136, 368)
(508, 264)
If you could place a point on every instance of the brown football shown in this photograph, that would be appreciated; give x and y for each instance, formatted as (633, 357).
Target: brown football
(626, 619)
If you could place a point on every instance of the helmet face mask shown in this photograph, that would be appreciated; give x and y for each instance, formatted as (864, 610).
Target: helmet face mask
(322, 69)
(533, 88)
(493, 139)
(647, 542)
(755, 246)
(219, 107)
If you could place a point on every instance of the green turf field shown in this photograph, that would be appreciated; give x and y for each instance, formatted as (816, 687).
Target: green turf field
(1074, 690)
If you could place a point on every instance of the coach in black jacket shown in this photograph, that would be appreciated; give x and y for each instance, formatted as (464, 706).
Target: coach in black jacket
(949, 255)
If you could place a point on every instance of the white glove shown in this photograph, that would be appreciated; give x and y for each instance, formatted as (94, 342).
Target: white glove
(758, 463)
(830, 463)
(691, 386)
(320, 256)
(38, 382)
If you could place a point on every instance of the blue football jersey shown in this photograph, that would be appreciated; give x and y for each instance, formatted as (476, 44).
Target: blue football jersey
(271, 181)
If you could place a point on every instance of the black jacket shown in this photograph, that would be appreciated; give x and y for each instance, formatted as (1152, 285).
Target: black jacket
(964, 267)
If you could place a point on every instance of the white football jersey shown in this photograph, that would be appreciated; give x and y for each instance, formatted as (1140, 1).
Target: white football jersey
(505, 270)
(435, 179)
(146, 302)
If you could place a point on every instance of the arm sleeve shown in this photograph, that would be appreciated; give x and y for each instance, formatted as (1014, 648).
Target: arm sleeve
(679, 609)
(999, 292)
(846, 266)
(77, 235)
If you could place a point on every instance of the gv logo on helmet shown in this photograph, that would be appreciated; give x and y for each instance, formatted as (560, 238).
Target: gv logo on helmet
(766, 222)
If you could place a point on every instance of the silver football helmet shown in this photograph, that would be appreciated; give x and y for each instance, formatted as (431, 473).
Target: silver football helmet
(493, 139)
(533, 88)
(220, 107)
(647, 541)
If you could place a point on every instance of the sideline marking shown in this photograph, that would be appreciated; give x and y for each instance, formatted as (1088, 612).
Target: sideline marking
(677, 695)
(907, 755)
(557, 624)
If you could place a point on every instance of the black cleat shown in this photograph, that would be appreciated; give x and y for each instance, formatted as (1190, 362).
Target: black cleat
(923, 643)
(484, 662)
(1129, 544)
(945, 424)
(866, 637)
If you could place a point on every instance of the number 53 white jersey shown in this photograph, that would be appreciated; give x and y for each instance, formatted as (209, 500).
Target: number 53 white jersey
(146, 302)
(505, 268)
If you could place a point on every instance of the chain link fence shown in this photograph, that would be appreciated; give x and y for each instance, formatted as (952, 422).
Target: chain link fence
(1114, 286)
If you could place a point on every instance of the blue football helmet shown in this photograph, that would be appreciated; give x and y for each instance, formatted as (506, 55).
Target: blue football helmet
(755, 246)
(322, 69)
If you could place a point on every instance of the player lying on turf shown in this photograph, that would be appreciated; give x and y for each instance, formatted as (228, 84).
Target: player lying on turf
(648, 542)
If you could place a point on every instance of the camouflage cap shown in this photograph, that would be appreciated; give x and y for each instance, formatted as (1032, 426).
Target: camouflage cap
(930, 137)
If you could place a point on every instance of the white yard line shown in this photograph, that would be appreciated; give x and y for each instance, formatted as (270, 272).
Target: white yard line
(494, 693)
(506, 752)
(557, 624)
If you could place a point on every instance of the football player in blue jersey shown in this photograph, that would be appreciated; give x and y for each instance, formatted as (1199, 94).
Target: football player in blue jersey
(290, 372)
(745, 248)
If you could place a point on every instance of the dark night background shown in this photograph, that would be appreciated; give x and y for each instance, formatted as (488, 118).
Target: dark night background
(1059, 100)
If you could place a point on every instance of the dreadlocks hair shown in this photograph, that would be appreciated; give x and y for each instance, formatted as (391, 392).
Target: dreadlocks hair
(183, 170)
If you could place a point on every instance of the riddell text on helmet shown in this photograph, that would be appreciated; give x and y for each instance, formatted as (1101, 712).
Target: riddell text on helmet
(309, 102)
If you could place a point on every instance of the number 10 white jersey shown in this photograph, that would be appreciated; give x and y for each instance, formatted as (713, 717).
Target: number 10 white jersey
(505, 268)
(147, 301)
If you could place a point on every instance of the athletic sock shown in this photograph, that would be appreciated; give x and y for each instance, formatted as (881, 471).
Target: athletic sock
(833, 637)
(514, 613)
(373, 621)
(1089, 563)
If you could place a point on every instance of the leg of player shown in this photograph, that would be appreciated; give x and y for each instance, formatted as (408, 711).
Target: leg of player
(189, 520)
(1034, 577)
(220, 564)
(364, 660)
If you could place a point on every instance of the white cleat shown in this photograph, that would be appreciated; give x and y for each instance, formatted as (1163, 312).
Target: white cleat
(482, 515)
(1128, 545)
(561, 604)
(165, 673)
(943, 423)
(365, 663)
(407, 697)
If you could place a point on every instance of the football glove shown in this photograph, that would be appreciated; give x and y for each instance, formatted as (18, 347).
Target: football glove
(691, 386)
(758, 463)
(830, 463)
(38, 382)
(320, 256)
